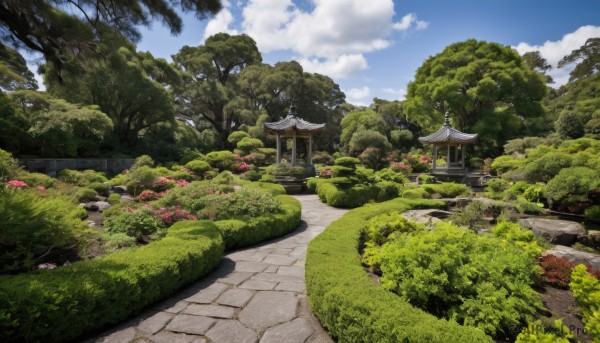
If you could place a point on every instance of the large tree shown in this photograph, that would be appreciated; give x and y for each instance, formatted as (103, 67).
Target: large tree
(14, 73)
(209, 91)
(484, 86)
(587, 58)
(63, 30)
(536, 62)
(128, 86)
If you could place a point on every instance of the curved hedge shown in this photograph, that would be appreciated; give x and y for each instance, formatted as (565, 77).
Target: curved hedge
(351, 306)
(64, 303)
(339, 192)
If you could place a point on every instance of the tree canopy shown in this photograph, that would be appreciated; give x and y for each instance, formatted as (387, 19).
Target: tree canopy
(587, 58)
(14, 73)
(63, 30)
(478, 81)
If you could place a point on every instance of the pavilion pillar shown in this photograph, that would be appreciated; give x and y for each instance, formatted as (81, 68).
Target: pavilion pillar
(456, 153)
(294, 148)
(309, 151)
(448, 156)
(434, 157)
(278, 143)
(462, 152)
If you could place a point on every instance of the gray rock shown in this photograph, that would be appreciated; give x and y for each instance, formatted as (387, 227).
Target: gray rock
(127, 197)
(91, 206)
(195, 325)
(231, 331)
(102, 206)
(576, 256)
(120, 189)
(296, 331)
(561, 232)
(590, 239)
(268, 308)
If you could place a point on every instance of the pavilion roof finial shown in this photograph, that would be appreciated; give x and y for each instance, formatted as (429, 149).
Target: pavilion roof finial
(292, 111)
(447, 119)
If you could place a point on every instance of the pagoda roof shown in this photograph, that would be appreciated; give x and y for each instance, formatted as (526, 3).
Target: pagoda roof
(293, 123)
(448, 135)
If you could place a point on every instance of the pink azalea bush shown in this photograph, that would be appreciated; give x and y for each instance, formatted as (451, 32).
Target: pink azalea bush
(16, 184)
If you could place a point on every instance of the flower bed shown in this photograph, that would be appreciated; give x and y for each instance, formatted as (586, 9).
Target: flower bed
(351, 306)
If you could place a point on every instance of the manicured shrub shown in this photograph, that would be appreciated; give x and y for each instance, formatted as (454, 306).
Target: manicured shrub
(248, 144)
(9, 168)
(116, 241)
(143, 161)
(351, 306)
(81, 178)
(447, 189)
(282, 170)
(33, 229)
(256, 158)
(37, 179)
(322, 157)
(135, 223)
(593, 213)
(39, 306)
(139, 179)
(342, 171)
(572, 181)
(251, 175)
(505, 163)
(497, 185)
(455, 273)
(416, 193)
(388, 174)
(246, 202)
(223, 160)
(546, 167)
(198, 167)
(99, 187)
(114, 199)
(424, 179)
(84, 194)
(237, 136)
(349, 162)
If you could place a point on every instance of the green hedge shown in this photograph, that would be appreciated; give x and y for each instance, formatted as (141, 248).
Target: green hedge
(239, 233)
(356, 195)
(61, 304)
(348, 302)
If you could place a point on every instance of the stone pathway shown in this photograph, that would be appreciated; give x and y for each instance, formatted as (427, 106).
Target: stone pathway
(255, 295)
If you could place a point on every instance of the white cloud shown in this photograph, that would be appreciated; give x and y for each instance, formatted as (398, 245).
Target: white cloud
(554, 51)
(400, 93)
(410, 21)
(358, 96)
(343, 67)
(332, 34)
(221, 22)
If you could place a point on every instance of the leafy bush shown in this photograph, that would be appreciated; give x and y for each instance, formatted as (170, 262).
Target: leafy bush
(251, 175)
(81, 178)
(548, 166)
(282, 170)
(99, 187)
(572, 181)
(237, 136)
(586, 290)
(593, 213)
(248, 201)
(347, 302)
(519, 236)
(349, 162)
(387, 174)
(37, 179)
(416, 193)
(534, 193)
(342, 171)
(424, 179)
(538, 333)
(471, 216)
(457, 274)
(476, 162)
(139, 179)
(116, 241)
(9, 168)
(114, 199)
(256, 158)
(223, 160)
(198, 167)
(38, 306)
(497, 185)
(135, 223)
(34, 229)
(248, 144)
(447, 189)
(503, 164)
(322, 157)
(84, 194)
(143, 161)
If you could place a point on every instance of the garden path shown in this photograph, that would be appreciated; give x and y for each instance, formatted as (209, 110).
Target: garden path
(256, 294)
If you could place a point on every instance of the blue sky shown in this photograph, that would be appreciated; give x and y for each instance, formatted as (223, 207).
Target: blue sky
(372, 48)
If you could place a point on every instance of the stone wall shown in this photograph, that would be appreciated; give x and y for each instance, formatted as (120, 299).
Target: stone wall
(53, 166)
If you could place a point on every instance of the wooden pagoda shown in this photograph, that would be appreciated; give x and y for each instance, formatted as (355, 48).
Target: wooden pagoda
(293, 127)
(455, 143)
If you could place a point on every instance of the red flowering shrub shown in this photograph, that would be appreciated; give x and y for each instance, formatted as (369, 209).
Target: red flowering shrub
(161, 183)
(326, 173)
(16, 184)
(181, 183)
(171, 215)
(401, 167)
(243, 167)
(556, 271)
(149, 195)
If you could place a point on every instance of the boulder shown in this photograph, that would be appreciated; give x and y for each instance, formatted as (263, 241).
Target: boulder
(591, 239)
(561, 232)
(91, 206)
(102, 206)
(427, 217)
(576, 256)
(120, 189)
(127, 197)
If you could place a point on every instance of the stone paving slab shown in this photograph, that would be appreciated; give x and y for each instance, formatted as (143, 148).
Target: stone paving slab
(256, 294)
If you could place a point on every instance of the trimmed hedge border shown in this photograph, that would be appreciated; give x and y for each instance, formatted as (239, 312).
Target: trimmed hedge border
(340, 192)
(65, 303)
(351, 306)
